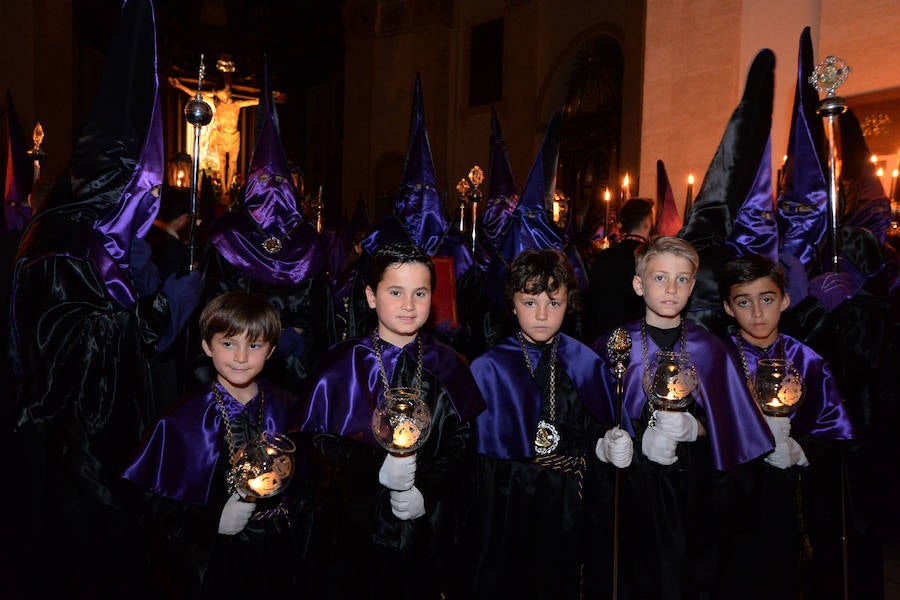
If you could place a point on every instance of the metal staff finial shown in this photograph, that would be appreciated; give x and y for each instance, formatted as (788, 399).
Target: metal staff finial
(829, 75)
(198, 113)
(618, 347)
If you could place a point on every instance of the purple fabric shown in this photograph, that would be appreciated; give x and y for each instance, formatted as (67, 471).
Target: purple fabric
(754, 230)
(342, 400)
(507, 427)
(822, 412)
(734, 423)
(270, 203)
(802, 212)
(502, 196)
(19, 172)
(832, 289)
(178, 458)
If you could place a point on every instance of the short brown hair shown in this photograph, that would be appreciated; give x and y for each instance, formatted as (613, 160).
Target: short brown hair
(664, 244)
(239, 312)
(536, 271)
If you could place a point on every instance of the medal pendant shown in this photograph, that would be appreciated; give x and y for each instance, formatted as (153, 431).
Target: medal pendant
(271, 245)
(546, 439)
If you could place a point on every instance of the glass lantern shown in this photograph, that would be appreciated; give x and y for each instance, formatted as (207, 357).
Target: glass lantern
(779, 387)
(669, 381)
(262, 468)
(401, 421)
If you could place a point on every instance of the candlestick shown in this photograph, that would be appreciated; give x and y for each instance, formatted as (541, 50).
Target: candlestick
(606, 222)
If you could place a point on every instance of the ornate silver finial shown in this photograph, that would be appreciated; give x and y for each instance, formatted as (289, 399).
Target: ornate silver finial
(829, 75)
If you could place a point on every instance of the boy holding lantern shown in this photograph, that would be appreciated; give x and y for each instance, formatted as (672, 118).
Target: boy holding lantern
(688, 437)
(541, 512)
(214, 534)
(753, 291)
(384, 525)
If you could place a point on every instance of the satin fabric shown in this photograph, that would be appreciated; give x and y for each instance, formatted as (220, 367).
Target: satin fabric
(502, 196)
(754, 230)
(269, 209)
(507, 427)
(822, 412)
(802, 212)
(354, 529)
(521, 507)
(342, 400)
(735, 427)
(179, 455)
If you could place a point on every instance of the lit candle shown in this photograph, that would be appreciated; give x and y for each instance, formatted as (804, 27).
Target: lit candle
(264, 485)
(894, 184)
(880, 172)
(405, 434)
(626, 188)
(689, 198)
(874, 158)
(606, 222)
(556, 211)
(179, 181)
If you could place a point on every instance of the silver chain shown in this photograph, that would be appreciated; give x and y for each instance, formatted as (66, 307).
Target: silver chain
(376, 345)
(683, 352)
(553, 351)
(229, 435)
(740, 347)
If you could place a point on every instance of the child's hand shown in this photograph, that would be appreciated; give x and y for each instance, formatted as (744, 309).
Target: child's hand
(235, 515)
(398, 472)
(408, 505)
(658, 447)
(615, 447)
(680, 426)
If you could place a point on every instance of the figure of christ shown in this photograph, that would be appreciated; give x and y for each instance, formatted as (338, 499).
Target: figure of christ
(224, 138)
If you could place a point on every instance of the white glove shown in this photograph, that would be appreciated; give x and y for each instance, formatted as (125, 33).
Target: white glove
(780, 426)
(658, 447)
(787, 454)
(398, 472)
(679, 426)
(408, 505)
(615, 447)
(235, 515)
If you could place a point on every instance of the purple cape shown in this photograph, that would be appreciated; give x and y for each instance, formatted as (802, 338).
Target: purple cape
(735, 425)
(822, 412)
(342, 400)
(178, 458)
(507, 427)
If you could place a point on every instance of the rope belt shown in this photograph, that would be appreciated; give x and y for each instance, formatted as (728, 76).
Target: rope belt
(570, 465)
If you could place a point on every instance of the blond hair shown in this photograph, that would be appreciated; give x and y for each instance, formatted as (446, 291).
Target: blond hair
(664, 244)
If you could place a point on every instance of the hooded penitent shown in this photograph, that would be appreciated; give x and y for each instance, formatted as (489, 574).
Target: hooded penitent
(668, 221)
(269, 240)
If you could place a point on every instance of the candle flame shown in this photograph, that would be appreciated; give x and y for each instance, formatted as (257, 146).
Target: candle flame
(691, 179)
(606, 195)
(880, 172)
(783, 160)
(555, 211)
(405, 434)
(874, 158)
(625, 183)
(894, 173)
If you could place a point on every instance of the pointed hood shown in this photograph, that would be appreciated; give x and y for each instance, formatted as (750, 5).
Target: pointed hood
(755, 231)
(112, 180)
(802, 209)
(418, 210)
(865, 203)
(730, 179)
(19, 172)
(668, 221)
(418, 204)
(731, 173)
(529, 226)
(502, 196)
(269, 239)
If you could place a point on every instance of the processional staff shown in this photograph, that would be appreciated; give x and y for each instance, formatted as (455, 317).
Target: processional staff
(618, 347)
(827, 77)
(198, 113)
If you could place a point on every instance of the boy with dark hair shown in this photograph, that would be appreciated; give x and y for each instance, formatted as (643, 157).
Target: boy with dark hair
(391, 521)
(753, 291)
(547, 429)
(214, 541)
(667, 502)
